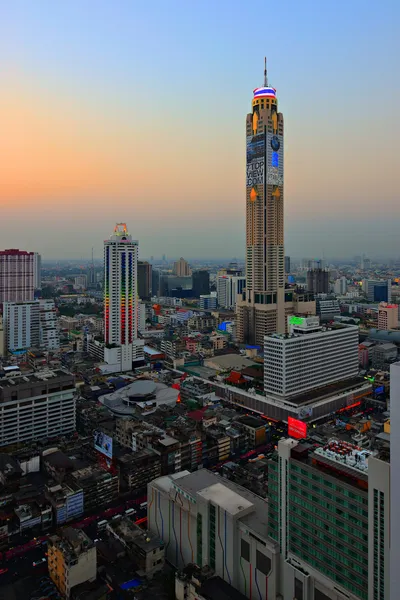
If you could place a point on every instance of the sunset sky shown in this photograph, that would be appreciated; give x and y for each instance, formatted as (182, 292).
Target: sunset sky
(135, 111)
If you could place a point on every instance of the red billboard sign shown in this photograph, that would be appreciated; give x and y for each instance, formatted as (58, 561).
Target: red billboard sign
(297, 429)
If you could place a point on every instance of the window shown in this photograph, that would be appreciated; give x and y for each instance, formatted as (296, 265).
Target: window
(298, 589)
(263, 563)
(245, 550)
(318, 595)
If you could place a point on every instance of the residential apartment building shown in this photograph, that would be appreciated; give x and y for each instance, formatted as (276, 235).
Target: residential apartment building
(36, 406)
(388, 316)
(228, 289)
(309, 357)
(16, 276)
(37, 271)
(21, 325)
(72, 559)
(49, 332)
(181, 268)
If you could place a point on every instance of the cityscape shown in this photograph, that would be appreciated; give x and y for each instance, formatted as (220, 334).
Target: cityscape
(204, 416)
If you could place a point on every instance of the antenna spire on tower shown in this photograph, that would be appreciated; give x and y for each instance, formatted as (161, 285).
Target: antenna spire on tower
(265, 72)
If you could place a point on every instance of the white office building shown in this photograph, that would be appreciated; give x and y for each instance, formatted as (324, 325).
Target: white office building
(228, 288)
(340, 286)
(21, 325)
(122, 345)
(309, 356)
(37, 271)
(49, 332)
(36, 406)
(208, 520)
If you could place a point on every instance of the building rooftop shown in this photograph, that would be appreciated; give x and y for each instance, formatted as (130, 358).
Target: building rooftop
(124, 400)
(20, 378)
(132, 535)
(226, 494)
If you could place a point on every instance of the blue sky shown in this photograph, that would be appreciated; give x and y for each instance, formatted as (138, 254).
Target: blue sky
(135, 111)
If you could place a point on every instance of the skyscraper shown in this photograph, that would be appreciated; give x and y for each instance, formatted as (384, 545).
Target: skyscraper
(181, 268)
(265, 303)
(120, 299)
(144, 279)
(318, 281)
(37, 271)
(200, 282)
(16, 276)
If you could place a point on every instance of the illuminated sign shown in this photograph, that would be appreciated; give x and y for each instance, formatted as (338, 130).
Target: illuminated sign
(297, 320)
(103, 443)
(297, 429)
(275, 159)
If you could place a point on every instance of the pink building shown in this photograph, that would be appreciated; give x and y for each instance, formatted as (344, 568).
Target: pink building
(388, 316)
(16, 276)
(363, 356)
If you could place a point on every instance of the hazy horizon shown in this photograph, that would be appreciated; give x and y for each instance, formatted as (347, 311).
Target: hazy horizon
(135, 115)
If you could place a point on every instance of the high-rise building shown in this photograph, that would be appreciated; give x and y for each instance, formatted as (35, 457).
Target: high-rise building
(144, 280)
(200, 282)
(326, 307)
(120, 300)
(266, 303)
(21, 325)
(208, 301)
(318, 281)
(388, 316)
(37, 271)
(287, 265)
(16, 276)
(328, 509)
(377, 291)
(229, 287)
(37, 406)
(340, 286)
(181, 268)
(72, 559)
(80, 282)
(395, 480)
(309, 357)
(49, 333)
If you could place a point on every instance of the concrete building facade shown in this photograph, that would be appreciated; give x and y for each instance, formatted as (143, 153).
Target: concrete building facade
(309, 357)
(16, 276)
(72, 559)
(21, 325)
(331, 531)
(36, 406)
(207, 520)
(265, 303)
(229, 287)
(121, 300)
(388, 316)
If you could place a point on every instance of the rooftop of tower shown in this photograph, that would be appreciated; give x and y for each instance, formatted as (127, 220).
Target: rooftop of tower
(266, 91)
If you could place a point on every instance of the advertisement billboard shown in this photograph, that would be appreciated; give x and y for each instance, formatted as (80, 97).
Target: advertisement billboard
(297, 429)
(255, 172)
(255, 146)
(274, 158)
(103, 443)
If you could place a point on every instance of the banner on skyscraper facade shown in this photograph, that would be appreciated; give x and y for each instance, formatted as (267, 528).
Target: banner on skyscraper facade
(274, 158)
(255, 172)
(255, 147)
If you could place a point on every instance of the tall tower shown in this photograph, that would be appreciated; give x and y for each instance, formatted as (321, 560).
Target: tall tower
(120, 298)
(264, 305)
(16, 276)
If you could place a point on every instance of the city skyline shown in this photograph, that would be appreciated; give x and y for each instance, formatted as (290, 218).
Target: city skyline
(93, 128)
